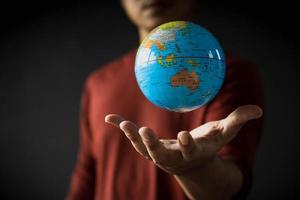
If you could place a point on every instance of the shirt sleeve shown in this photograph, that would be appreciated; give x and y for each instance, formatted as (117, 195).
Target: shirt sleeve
(242, 86)
(83, 177)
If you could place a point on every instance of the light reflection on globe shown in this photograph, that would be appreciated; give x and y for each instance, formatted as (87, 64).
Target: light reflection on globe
(180, 66)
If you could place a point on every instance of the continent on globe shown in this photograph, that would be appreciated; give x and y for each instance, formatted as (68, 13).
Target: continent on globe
(181, 26)
(173, 25)
(187, 79)
(167, 61)
(157, 43)
(180, 66)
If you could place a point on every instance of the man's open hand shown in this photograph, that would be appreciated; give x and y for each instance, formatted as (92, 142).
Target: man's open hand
(192, 149)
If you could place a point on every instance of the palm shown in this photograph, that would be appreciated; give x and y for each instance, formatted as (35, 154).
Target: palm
(191, 149)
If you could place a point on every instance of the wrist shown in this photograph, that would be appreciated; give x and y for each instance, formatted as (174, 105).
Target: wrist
(217, 179)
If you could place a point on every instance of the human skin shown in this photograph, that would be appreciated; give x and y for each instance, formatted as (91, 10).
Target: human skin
(192, 157)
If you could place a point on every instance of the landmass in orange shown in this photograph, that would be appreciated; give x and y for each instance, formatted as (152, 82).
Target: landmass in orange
(168, 61)
(186, 78)
(150, 43)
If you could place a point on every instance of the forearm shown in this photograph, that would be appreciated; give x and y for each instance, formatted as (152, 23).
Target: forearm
(221, 179)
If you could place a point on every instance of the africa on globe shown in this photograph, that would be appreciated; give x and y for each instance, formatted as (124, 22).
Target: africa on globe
(180, 66)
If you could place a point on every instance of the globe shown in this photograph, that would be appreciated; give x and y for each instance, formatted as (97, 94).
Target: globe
(180, 66)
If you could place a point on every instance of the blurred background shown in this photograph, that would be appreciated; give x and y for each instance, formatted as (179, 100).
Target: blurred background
(47, 49)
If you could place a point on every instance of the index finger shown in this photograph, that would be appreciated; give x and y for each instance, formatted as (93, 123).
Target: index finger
(114, 119)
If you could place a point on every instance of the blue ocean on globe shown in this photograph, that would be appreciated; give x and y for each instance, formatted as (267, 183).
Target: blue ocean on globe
(180, 66)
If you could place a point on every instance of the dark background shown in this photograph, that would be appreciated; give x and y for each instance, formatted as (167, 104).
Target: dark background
(47, 49)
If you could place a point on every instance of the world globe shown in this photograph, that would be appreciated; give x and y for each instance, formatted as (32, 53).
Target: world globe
(180, 66)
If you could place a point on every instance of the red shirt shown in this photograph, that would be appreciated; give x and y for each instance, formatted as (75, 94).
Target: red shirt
(108, 167)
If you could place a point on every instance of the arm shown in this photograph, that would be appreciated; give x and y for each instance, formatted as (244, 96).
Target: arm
(208, 162)
(210, 182)
(193, 158)
(83, 177)
(236, 159)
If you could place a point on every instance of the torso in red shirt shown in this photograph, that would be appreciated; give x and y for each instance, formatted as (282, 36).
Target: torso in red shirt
(109, 168)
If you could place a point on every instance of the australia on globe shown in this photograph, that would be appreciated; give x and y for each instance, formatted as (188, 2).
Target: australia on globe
(180, 66)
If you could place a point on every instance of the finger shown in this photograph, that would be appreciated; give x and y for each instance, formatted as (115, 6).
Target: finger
(235, 121)
(187, 145)
(153, 145)
(206, 130)
(114, 119)
(131, 132)
(217, 133)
